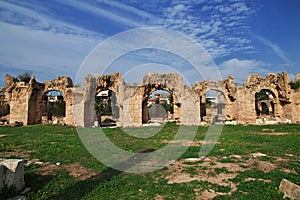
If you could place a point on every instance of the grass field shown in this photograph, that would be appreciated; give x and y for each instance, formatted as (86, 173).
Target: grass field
(248, 162)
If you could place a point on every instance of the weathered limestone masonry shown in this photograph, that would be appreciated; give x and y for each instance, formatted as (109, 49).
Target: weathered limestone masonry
(26, 100)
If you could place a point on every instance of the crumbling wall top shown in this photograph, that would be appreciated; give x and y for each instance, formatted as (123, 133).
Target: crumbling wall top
(279, 84)
(61, 83)
(297, 77)
(170, 81)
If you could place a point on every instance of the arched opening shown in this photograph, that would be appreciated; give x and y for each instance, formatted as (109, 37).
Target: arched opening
(158, 107)
(106, 108)
(213, 107)
(4, 107)
(54, 107)
(265, 103)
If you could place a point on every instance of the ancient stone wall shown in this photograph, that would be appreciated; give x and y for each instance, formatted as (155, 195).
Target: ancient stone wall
(26, 100)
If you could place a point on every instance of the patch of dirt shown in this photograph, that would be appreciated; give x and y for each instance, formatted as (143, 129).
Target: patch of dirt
(190, 143)
(158, 197)
(209, 194)
(74, 169)
(17, 154)
(53, 142)
(269, 133)
(80, 172)
(266, 166)
(48, 168)
(205, 170)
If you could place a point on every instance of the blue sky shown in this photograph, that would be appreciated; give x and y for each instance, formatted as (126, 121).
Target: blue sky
(53, 38)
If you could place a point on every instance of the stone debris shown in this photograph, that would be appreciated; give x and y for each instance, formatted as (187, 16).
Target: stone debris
(258, 154)
(289, 189)
(194, 159)
(12, 173)
(25, 190)
(18, 198)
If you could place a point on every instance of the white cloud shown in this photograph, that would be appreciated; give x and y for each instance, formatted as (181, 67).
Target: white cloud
(45, 53)
(240, 69)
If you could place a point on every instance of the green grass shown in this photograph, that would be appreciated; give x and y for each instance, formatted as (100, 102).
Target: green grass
(55, 143)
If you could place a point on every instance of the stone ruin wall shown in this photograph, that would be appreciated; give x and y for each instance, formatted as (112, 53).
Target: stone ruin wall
(26, 100)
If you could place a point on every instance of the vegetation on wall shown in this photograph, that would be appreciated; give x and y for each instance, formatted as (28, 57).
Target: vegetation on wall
(24, 77)
(295, 85)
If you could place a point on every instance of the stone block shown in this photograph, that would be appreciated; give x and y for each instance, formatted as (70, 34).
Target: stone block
(2, 177)
(289, 189)
(12, 173)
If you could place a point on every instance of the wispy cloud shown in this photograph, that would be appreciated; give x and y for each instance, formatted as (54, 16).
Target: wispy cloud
(117, 14)
(275, 47)
(30, 18)
(219, 26)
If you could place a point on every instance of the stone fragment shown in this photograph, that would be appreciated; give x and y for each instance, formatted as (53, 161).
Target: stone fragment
(290, 189)
(2, 177)
(258, 154)
(26, 190)
(18, 198)
(12, 173)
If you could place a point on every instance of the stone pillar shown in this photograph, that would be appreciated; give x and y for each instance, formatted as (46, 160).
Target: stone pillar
(190, 110)
(246, 106)
(176, 108)
(295, 114)
(19, 104)
(89, 112)
(132, 107)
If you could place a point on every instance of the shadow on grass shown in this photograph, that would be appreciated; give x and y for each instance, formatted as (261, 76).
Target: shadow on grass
(82, 188)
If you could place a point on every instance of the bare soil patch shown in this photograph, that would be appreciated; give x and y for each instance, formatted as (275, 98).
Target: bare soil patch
(16, 154)
(269, 133)
(190, 143)
(74, 169)
(212, 170)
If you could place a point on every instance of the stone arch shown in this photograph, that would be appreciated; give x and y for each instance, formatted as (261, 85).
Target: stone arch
(217, 108)
(61, 83)
(267, 105)
(65, 85)
(106, 106)
(170, 82)
(93, 85)
(53, 106)
(148, 90)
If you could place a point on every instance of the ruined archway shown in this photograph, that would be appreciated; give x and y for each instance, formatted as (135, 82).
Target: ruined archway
(54, 107)
(158, 106)
(106, 107)
(94, 84)
(213, 106)
(4, 107)
(265, 101)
